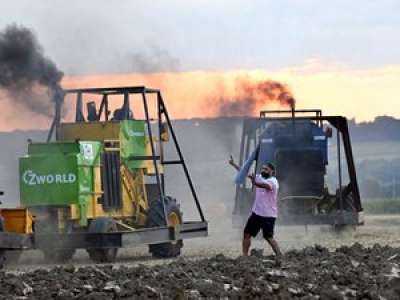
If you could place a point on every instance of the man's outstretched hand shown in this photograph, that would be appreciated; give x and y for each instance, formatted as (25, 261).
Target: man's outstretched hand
(231, 160)
(233, 164)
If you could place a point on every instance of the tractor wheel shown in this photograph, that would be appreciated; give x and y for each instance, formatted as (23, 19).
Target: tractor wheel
(156, 218)
(343, 230)
(58, 256)
(52, 255)
(347, 198)
(12, 257)
(102, 255)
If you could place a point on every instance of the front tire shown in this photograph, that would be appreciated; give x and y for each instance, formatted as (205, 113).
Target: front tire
(156, 218)
(102, 255)
(52, 254)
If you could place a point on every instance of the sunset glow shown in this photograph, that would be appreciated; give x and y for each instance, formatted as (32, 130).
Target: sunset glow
(362, 94)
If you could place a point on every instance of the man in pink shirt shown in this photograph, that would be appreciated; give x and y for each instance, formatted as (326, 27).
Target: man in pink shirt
(265, 209)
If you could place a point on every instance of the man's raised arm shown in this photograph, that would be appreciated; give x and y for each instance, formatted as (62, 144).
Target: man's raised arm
(233, 164)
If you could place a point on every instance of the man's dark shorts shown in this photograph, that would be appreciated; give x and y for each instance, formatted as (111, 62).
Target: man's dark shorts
(255, 223)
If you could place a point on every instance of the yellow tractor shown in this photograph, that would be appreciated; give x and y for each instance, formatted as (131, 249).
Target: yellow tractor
(100, 184)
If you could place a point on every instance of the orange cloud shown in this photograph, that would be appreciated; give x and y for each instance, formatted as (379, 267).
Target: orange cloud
(336, 89)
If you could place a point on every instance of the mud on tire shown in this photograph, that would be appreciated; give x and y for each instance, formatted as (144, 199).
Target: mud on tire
(156, 218)
(102, 255)
(51, 253)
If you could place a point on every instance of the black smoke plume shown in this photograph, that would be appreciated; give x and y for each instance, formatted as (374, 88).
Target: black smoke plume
(250, 97)
(27, 76)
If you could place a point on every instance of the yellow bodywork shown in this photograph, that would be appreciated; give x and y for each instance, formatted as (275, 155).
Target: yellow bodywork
(18, 220)
(95, 131)
(134, 196)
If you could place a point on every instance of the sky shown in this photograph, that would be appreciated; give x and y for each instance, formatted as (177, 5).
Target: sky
(342, 56)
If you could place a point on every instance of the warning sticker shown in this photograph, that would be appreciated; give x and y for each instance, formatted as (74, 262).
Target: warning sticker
(88, 151)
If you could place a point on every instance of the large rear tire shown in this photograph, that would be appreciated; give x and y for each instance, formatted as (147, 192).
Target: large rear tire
(102, 225)
(156, 218)
(347, 198)
(58, 256)
(343, 230)
(51, 255)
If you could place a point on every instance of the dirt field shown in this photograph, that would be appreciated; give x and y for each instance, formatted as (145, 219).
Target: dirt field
(319, 264)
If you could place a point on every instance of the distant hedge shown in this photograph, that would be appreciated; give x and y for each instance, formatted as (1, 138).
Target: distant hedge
(382, 206)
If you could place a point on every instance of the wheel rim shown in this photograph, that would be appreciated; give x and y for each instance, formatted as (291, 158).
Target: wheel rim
(173, 219)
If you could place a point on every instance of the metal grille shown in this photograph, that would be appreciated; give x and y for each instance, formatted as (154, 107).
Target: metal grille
(111, 181)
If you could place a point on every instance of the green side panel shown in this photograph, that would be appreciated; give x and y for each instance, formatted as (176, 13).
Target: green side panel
(133, 142)
(59, 174)
(48, 180)
(88, 158)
